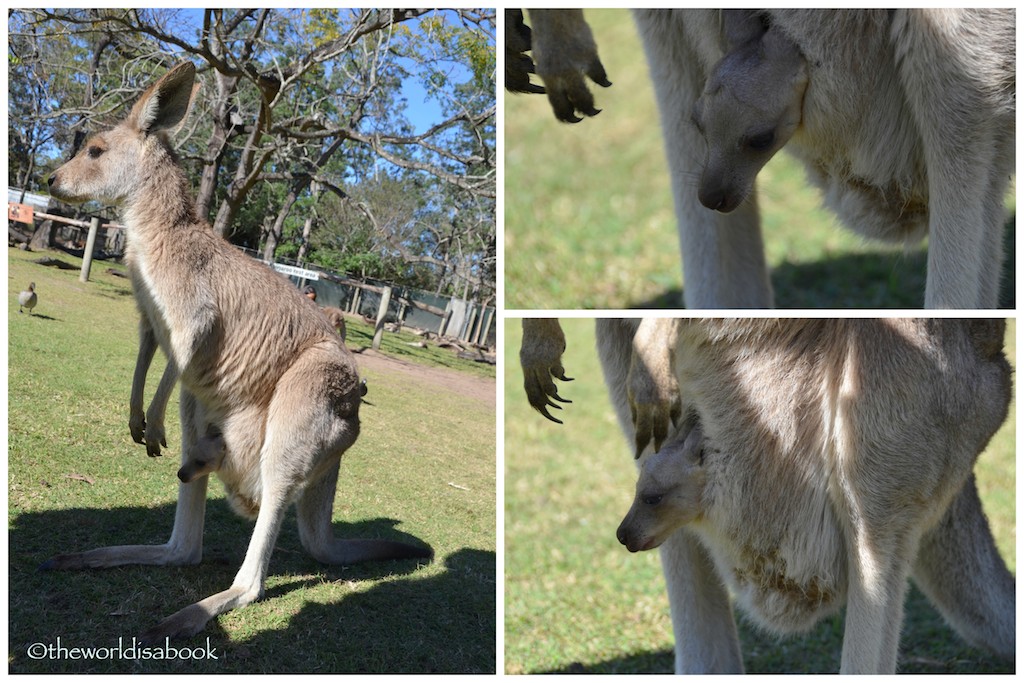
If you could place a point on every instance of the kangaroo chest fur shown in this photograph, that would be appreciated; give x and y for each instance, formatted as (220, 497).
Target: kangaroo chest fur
(231, 328)
(817, 454)
(783, 558)
(874, 176)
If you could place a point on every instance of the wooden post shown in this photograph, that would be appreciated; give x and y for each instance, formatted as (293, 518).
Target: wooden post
(354, 307)
(445, 316)
(385, 299)
(401, 314)
(482, 329)
(90, 242)
(473, 318)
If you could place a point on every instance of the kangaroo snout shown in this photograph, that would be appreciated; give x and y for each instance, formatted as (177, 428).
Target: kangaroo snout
(639, 538)
(721, 199)
(627, 536)
(726, 181)
(622, 533)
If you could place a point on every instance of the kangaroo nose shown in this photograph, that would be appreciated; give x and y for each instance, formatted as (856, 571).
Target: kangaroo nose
(715, 199)
(49, 181)
(712, 197)
(721, 201)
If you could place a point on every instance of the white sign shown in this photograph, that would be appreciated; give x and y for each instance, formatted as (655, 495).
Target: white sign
(297, 272)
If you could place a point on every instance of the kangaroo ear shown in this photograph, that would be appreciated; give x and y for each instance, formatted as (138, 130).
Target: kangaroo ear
(777, 48)
(693, 446)
(741, 26)
(165, 104)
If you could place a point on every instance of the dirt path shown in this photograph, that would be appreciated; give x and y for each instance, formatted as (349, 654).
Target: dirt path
(477, 388)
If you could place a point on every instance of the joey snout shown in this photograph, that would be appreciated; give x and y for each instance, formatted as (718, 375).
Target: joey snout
(632, 532)
(724, 186)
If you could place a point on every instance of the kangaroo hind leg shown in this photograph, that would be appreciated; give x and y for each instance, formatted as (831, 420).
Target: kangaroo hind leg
(960, 570)
(314, 514)
(291, 447)
(330, 391)
(186, 543)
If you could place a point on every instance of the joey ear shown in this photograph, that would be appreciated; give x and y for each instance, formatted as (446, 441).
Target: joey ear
(693, 446)
(741, 26)
(779, 49)
(165, 104)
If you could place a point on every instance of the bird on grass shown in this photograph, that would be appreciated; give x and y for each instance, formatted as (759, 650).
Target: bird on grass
(28, 299)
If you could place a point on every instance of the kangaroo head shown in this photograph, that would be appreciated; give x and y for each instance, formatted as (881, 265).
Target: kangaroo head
(193, 469)
(751, 106)
(114, 165)
(208, 454)
(669, 494)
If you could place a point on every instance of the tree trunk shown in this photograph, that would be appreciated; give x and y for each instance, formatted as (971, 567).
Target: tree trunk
(276, 230)
(217, 144)
(307, 228)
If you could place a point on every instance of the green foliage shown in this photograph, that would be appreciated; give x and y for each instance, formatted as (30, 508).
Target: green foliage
(323, 25)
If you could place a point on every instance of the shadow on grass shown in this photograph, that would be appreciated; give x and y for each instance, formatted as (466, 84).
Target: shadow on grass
(858, 281)
(401, 620)
(928, 645)
(42, 316)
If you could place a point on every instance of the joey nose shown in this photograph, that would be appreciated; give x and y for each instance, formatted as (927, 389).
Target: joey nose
(50, 180)
(718, 200)
(711, 194)
(622, 534)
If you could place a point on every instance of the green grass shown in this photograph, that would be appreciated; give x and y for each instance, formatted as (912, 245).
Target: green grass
(576, 601)
(589, 221)
(404, 346)
(423, 470)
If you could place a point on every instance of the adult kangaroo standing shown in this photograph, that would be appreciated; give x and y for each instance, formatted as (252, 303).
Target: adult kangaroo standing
(905, 118)
(852, 440)
(257, 362)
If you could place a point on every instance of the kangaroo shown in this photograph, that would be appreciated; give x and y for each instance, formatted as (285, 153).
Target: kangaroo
(789, 480)
(751, 106)
(906, 122)
(206, 459)
(257, 363)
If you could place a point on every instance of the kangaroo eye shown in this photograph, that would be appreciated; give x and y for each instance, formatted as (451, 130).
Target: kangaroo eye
(94, 152)
(761, 141)
(651, 500)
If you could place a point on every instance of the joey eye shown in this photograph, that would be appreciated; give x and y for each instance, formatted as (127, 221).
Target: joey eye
(651, 500)
(761, 141)
(94, 152)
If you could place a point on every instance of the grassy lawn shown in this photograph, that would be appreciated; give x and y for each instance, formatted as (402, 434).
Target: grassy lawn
(577, 601)
(423, 470)
(589, 221)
